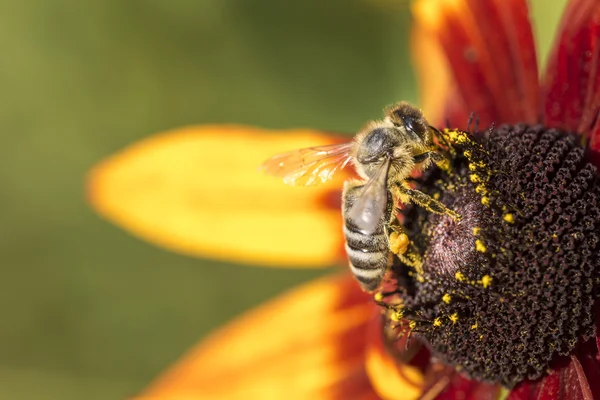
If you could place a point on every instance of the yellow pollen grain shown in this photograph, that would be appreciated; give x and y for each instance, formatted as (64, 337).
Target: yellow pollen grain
(412, 324)
(397, 315)
(480, 189)
(476, 230)
(485, 200)
(475, 178)
(456, 136)
(437, 322)
(474, 326)
(480, 247)
(436, 195)
(378, 296)
(446, 298)
(467, 153)
(509, 218)
(472, 167)
(459, 276)
(453, 318)
(486, 281)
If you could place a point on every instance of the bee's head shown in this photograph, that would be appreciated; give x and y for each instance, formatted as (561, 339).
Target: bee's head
(409, 118)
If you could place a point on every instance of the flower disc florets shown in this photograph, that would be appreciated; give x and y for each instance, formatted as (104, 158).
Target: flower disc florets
(508, 289)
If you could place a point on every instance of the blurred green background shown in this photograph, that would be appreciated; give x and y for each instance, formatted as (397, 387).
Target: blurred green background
(88, 311)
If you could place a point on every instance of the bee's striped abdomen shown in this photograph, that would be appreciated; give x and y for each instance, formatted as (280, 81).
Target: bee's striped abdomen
(368, 253)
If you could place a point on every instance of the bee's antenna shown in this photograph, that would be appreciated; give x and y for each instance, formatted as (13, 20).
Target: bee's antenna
(470, 121)
(440, 135)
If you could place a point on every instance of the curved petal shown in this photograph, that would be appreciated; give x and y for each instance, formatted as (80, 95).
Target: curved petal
(444, 383)
(307, 344)
(489, 48)
(197, 191)
(390, 379)
(526, 390)
(591, 367)
(565, 383)
(572, 79)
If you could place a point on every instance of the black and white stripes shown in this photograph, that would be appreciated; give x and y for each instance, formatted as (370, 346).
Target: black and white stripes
(368, 253)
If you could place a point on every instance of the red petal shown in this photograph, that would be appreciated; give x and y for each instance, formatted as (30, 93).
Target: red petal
(575, 383)
(550, 387)
(568, 383)
(526, 390)
(572, 80)
(505, 27)
(597, 314)
(591, 367)
(444, 383)
(489, 47)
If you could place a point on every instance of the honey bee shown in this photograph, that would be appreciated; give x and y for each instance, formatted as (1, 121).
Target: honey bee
(384, 153)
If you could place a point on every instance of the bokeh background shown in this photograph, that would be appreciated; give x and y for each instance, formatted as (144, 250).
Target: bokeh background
(87, 310)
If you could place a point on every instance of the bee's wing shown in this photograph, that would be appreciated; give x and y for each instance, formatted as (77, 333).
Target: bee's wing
(370, 205)
(305, 167)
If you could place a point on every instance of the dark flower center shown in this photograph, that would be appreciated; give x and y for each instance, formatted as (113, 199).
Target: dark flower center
(508, 289)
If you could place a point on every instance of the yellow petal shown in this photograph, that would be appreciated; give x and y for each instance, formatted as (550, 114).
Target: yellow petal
(307, 344)
(198, 191)
(391, 379)
(434, 74)
(435, 77)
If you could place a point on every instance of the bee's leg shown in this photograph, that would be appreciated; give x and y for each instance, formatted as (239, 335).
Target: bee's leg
(438, 158)
(434, 156)
(423, 200)
(413, 259)
(414, 179)
(445, 141)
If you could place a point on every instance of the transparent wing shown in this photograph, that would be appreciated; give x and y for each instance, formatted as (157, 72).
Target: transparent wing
(369, 207)
(305, 167)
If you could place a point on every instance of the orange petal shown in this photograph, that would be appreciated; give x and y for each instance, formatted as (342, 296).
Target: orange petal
(307, 344)
(489, 55)
(390, 379)
(435, 77)
(197, 191)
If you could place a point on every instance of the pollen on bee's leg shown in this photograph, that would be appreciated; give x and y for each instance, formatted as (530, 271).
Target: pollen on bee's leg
(399, 242)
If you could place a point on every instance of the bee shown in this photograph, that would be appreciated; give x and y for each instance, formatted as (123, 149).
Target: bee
(384, 154)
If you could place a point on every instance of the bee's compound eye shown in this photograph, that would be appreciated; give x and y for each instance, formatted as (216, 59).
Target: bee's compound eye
(413, 125)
